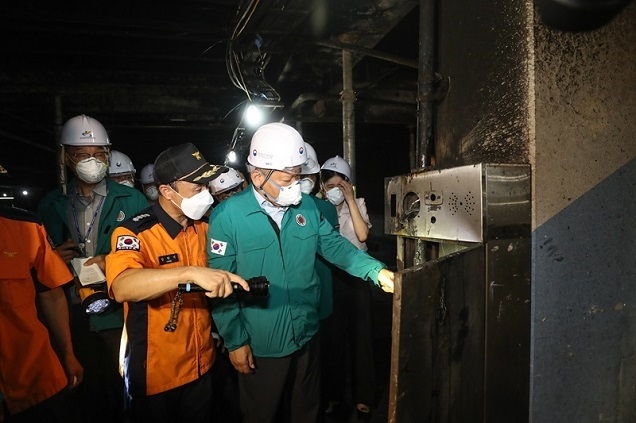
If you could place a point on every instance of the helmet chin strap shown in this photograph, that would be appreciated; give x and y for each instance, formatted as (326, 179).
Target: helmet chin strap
(269, 175)
(263, 192)
(269, 197)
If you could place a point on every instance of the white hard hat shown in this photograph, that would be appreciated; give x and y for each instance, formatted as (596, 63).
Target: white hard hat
(311, 166)
(147, 174)
(120, 164)
(338, 164)
(83, 130)
(277, 146)
(226, 181)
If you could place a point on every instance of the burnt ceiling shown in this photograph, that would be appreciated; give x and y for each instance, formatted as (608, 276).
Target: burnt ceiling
(160, 72)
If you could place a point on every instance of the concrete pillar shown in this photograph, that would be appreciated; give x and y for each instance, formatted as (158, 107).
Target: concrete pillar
(566, 104)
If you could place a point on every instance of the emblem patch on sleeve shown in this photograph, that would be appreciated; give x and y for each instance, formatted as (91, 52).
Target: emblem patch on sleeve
(127, 242)
(217, 247)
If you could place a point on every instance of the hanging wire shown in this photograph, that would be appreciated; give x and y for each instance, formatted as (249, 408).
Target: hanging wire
(238, 135)
(233, 60)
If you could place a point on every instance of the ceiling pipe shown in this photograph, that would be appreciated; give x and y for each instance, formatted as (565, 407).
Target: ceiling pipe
(426, 57)
(305, 97)
(348, 97)
(425, 147)
(371, 53)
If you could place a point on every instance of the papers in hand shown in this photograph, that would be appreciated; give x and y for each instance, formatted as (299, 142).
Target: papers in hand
(88, 275)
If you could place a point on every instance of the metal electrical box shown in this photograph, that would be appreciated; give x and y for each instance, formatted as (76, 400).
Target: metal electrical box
(462, 204)
(461, 322)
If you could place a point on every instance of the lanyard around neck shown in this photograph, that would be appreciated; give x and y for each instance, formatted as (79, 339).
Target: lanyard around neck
(90, 225)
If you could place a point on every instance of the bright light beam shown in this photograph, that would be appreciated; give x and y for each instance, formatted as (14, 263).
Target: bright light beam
(253, 116)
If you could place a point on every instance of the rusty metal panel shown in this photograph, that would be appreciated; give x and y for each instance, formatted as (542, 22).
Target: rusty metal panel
(437, 360)
(507, 361)
(461, 337)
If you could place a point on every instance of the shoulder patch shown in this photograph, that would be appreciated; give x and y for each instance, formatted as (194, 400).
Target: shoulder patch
(217, 247)
(141, 221)
(127, 242)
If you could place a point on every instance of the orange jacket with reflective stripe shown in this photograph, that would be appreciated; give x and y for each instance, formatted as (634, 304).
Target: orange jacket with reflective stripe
(156, 360)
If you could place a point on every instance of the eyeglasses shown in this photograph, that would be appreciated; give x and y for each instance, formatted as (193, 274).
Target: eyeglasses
(78, 157)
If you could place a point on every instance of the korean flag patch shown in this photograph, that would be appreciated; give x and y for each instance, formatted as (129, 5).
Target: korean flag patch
(217, 247)
(127, 242)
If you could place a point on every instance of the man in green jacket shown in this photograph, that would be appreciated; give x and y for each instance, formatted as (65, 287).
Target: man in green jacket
(267, 230)
(310, 174)
(80, 217)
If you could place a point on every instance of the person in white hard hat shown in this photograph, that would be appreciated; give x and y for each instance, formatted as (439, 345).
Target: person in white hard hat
(169, 353)
(80, 217)
(310, 171)
(227, 184)
(121, 169)
(310, 184)
(148, 183)
(273, 230)
(351, 299)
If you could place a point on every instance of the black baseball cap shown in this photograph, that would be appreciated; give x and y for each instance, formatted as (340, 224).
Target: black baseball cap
(185, 163)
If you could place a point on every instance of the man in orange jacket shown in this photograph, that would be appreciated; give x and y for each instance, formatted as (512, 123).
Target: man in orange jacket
(36, 365)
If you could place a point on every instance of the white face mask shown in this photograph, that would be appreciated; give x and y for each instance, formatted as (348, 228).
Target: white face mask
(152, 193)
(306, 185)
(91, 170)
(196, 206)
(335, 196)
(128, 183)
(287, 196)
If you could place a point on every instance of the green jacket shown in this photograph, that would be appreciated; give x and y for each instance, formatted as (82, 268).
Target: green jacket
(121, 203)
(323, 267)
(243, 241)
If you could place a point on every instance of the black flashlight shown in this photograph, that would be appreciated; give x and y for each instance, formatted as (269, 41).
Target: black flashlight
(259, 287)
